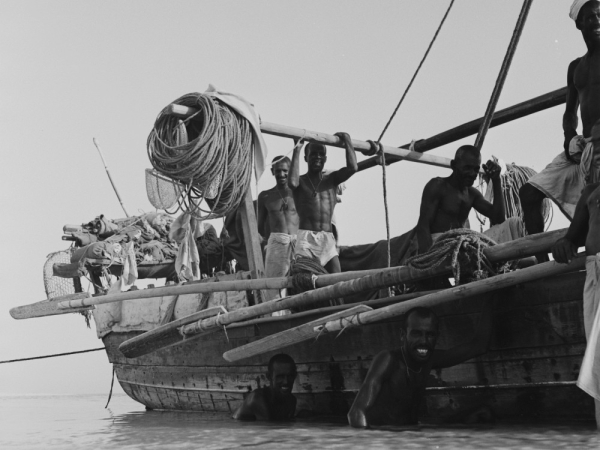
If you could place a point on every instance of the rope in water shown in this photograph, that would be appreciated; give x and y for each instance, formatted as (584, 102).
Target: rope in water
(214, 165)
(53, 356)
(450, 245)
(383, 162)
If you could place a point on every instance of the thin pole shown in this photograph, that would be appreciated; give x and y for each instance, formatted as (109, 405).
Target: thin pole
(512, 47)
(109, 177)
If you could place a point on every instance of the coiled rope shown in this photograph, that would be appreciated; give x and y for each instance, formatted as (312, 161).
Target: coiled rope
(452, 245)
(216, 162)
(511, 181)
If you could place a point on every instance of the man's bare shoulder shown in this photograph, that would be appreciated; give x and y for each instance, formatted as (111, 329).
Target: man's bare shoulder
(385, 360)
(435, 185)
(587, 191)
(573, 65)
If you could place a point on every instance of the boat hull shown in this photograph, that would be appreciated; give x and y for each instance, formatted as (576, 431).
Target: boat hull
(529, 373)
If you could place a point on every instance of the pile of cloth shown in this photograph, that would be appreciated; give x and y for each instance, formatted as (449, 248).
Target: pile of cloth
(153, 242)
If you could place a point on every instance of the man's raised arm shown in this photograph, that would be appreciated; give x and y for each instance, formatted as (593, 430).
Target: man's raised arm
(253, 408)
(294, 173)
(369, 391)
(570, 120)
(495, 211)
(478, 345)
(429, 205)
(341, 175)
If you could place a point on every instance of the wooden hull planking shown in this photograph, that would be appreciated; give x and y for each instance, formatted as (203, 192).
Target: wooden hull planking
(528, 374)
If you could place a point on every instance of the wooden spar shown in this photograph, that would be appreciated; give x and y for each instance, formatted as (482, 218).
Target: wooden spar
(519, 248)
(327, 139)
(294, 335)
(165, 335)
(48, 307)
(523, 109)
(475, 288)
(252, 240)
(510, 52)
(168, 334)
(385, 278)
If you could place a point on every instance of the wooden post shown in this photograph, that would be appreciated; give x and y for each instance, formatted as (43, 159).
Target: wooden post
(252, 241)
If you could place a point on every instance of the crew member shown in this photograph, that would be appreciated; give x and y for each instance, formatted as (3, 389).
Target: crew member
(278, 223)
(395, 384)
(276, 401)
(315, 196)
(446, 202)
(564, 178)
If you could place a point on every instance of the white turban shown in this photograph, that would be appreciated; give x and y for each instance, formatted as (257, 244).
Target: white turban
(576, 7)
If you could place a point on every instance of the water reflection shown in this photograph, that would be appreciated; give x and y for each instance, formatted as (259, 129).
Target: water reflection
(57, 422)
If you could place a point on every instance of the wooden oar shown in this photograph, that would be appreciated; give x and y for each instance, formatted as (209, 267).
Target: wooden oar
(165, 335)
(48, 307)
(519, 248)
(70, 304)
(475, 288)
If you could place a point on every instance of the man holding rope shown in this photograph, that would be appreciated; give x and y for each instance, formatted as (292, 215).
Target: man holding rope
(393, 389)
(564, 178)
(315, 196)
(446, 202)
(278, 223)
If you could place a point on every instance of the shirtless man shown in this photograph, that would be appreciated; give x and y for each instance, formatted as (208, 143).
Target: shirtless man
(315, 196)
(393, 389)
(277, 214)
(446, 202)
(564, 178)
(275, 402)
(585, 230)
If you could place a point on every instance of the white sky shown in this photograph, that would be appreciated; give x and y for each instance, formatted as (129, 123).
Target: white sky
(73, 70)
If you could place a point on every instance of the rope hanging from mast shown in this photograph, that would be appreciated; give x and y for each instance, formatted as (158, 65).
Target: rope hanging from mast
(214, 163)
(378, 142)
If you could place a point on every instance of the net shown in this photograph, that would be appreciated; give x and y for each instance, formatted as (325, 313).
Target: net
(58, 286)
(162, 192)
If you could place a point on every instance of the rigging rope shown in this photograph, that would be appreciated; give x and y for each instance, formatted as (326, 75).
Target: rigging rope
(215, 165)
(53, 356)
(453, 244)
(378, 142)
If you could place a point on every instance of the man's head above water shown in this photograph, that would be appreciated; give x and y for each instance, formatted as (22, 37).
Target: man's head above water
(420, 331)
(282, 372)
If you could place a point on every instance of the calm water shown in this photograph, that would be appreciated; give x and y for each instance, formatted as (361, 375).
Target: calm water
(81, 422)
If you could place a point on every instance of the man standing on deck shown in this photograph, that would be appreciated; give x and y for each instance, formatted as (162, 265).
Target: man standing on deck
(278, 223)
(564, 178)
(585, 229)
(315, 196)
(393, 389)
(275, 402)
(446, 202)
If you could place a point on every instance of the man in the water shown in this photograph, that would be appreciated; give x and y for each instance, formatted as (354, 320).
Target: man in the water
(393, 389)
(564, 178)
(585, 230)
(275, 402)
(315, 196)
(446, 202)
(278, 223)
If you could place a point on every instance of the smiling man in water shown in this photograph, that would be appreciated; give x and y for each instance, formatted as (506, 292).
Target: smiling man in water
(393, 389)
(275, 402)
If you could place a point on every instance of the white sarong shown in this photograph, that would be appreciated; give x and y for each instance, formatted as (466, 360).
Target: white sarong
(316, 244)
(562, 180)
(278, 256)
(589, 374)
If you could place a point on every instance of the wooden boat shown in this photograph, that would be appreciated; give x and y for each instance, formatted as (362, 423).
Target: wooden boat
(528, 375)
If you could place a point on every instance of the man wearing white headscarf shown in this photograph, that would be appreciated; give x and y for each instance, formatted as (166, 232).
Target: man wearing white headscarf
(565, 177)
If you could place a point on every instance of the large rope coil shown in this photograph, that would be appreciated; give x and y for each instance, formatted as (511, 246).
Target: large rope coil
(209, 153)
(464, 248)
(511, 180)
